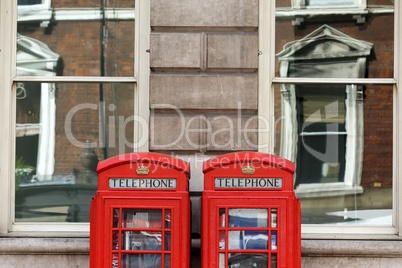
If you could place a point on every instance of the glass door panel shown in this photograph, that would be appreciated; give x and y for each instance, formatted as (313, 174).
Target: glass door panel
(248, 237)
(141, 238)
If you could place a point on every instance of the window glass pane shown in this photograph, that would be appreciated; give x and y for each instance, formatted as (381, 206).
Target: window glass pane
(62, 131)
(248, 260)
(296, 4)
(91, 41)
(139, 218)
(349, 45)
(141, 260)
(142, 240)
(239, 217)
(332, 2)
(343, 176)
(321, 113)
(29, 2)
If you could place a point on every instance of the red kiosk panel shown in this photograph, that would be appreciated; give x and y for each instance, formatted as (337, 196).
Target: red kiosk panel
(250, 215)
(140, 216)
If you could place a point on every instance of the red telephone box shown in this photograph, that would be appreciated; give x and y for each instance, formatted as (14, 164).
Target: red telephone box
(250, 215)
(140, 215)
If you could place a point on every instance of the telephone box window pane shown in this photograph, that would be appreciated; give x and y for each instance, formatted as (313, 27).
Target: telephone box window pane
(274, 218)
(235, 239)
(115, 240)
(222, 240)
(168, 218)
(116, 218)
(274, 261)
(274, 240)
(167, 240)
(167, 260)
(62, 131)
(142, 240)
(248, 240)
(222, 217)
(239, 217)
(247, 260)
(255, 240)
(221, 260)
(141, 260)
(137, 218)
(115, 260)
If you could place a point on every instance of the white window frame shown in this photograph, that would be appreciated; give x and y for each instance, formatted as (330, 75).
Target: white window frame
(266, 135)
(8, 80)
(35, 7)
(297, 4)
(39, 12)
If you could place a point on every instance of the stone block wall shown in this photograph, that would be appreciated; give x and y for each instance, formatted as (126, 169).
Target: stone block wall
(203, 84)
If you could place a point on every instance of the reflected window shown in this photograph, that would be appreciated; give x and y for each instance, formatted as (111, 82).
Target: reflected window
(29, 2)
(35, 10)
(328, 3)
(323, 133)
(321, 143)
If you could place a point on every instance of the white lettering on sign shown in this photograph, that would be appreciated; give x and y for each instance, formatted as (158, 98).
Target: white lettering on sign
(266, 183)
(148, 183)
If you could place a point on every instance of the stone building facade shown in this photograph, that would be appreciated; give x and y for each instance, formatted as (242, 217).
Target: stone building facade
(206, 86)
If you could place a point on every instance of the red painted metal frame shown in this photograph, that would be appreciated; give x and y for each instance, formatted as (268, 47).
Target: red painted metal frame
(176, 200)
(288, 226)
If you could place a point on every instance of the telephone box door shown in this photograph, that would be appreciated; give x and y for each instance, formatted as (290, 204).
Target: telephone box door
(250, 215)
(140, 215)
(141, 234)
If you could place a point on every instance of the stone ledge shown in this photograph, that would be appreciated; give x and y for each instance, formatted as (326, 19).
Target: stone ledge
(43, 246)
(310, 248)
(351, 248)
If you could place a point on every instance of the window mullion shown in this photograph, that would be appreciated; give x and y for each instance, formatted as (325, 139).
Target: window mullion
(346, 81)
(397, 120)
(7, 58)
(75, 79)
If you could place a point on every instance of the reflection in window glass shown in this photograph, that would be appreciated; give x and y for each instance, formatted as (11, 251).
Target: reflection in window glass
(243, 217)
(339, 135)
(29, 2)
(321, 131)
(139, 218)
(348, 180)
(247, 260)
(91, 39)
(60, 137)
(332, 2)
(333, 46)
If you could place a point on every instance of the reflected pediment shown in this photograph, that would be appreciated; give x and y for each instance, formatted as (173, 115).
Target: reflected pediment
(36, 58)
(324, 43)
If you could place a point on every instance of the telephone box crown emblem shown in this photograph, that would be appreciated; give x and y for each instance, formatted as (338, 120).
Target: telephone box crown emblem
(248, 169)
(142, 170)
